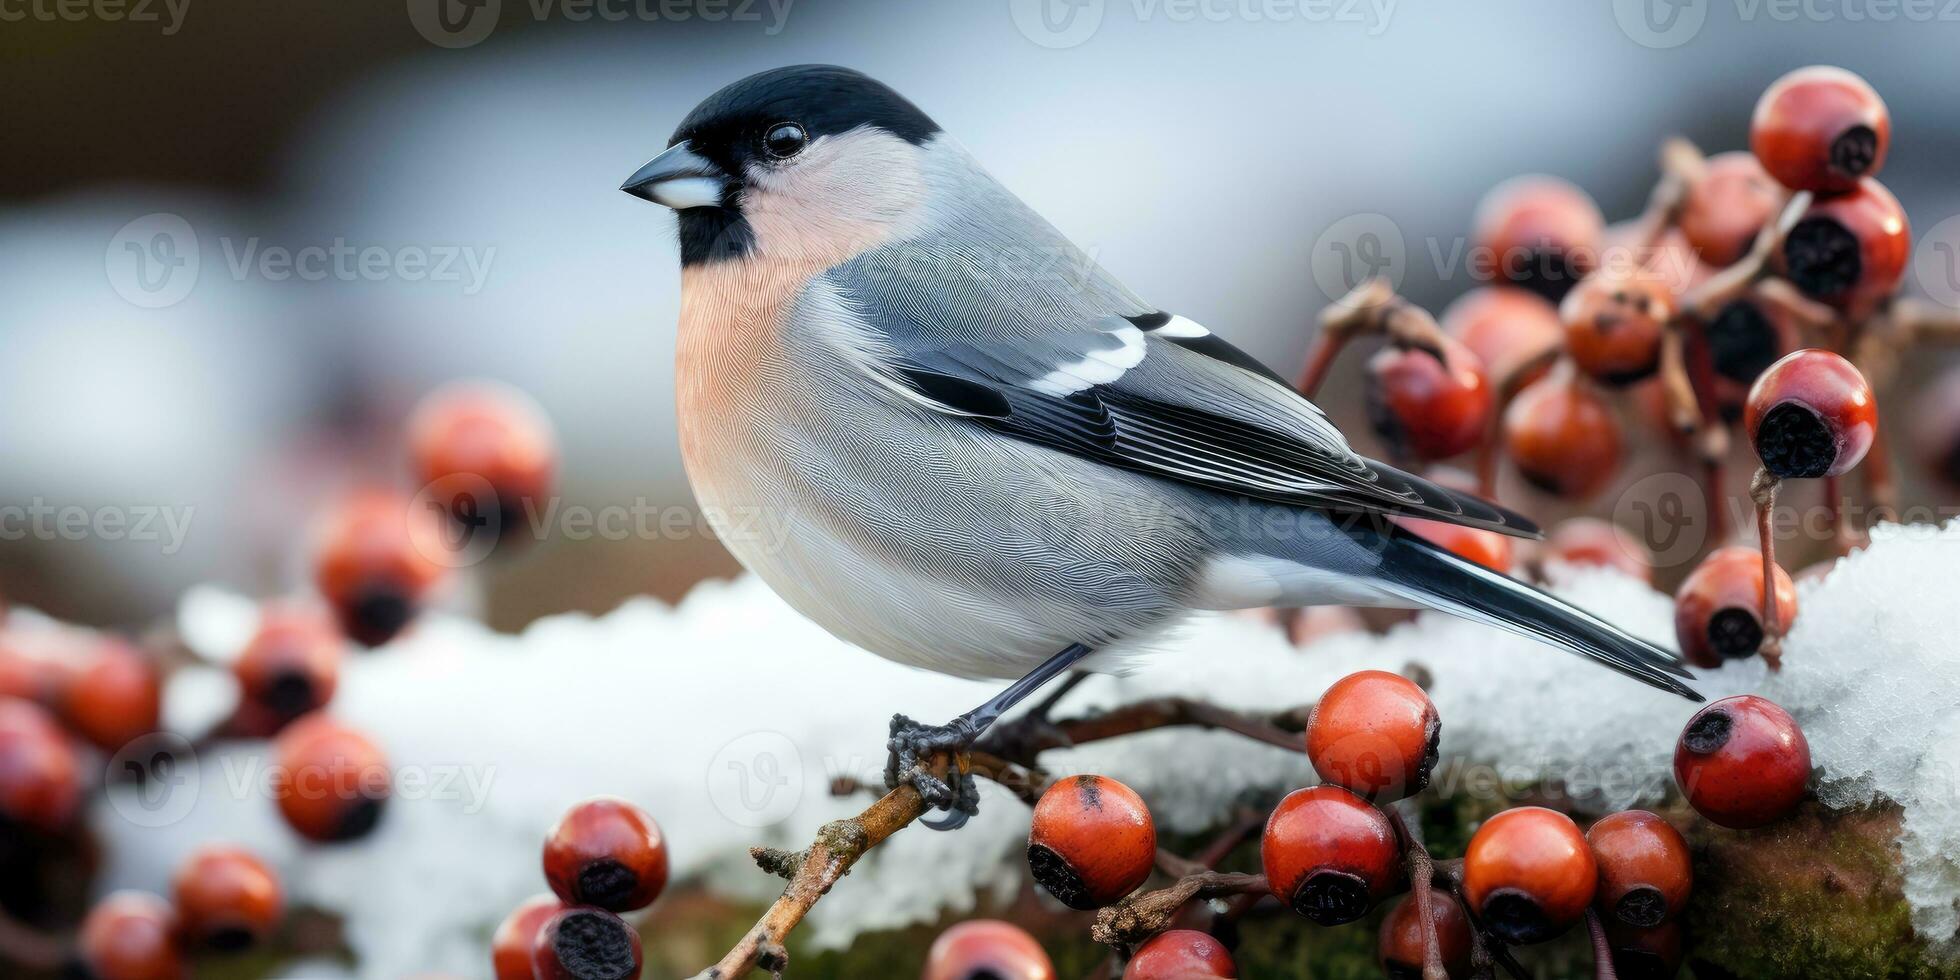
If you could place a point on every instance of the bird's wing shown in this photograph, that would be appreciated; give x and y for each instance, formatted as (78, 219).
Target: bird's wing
(1080, 366)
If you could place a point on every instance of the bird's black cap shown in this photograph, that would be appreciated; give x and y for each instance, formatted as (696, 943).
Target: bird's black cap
(824, 99)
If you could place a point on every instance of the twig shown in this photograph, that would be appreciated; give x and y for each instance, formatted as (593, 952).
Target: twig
(1372, 307)
(1018, 744)
(1141, 916)
(837, 847)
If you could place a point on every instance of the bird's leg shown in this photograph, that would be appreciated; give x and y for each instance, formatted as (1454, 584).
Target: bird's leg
(914, 745)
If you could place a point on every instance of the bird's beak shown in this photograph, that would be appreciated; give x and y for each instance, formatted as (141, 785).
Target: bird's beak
(679, 178)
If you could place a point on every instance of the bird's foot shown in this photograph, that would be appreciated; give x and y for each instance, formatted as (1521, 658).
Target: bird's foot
(914, 750)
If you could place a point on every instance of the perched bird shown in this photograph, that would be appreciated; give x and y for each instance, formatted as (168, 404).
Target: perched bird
(993, 459)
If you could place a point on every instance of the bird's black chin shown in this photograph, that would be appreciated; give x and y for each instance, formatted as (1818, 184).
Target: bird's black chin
(710, 235)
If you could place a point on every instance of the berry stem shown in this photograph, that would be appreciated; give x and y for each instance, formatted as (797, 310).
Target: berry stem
(1326, 346)
(1602, 951)
(1422, 872)
(1763, 491)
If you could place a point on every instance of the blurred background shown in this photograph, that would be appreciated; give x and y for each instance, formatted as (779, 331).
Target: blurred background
(237, 241)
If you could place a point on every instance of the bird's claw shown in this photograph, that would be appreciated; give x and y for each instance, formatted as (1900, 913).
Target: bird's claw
(913, 748)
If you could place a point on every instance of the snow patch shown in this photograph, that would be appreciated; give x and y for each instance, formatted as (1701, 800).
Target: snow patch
(728, 716)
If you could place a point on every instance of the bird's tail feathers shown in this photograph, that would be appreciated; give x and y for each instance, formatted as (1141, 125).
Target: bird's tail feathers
(1433, 577)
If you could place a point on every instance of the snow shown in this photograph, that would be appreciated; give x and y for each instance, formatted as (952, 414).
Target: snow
(728, 716)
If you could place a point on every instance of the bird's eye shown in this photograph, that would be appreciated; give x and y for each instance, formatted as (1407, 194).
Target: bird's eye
(784, 140)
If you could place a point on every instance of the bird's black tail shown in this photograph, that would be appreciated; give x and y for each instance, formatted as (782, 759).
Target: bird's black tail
(1433, 577)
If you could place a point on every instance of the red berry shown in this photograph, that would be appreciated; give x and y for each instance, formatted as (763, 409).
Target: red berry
(1742, 762)
(1741, 341)
(1613, 324)
(489, 432)
(1810, 415)
(1718, 608)
(1329, 855)
(606, 852)
(130, 936)
(330, 782)
(290, 667)
(1400, 950)
(1487, 548)
(1540, 232)
(1374, 733)
(1529, 874)
(1936, 428)
(1820, 129)
(1514, 332)
(40, 785)
(1092, 842)
(377, 563)
(1644, 868)
(987, 949)
(1727, 207)
(585, 943)
(1181, 954)
(1563, 437)
(227, 899)
(1425, 408)
(1849, 250)
(1645, 954)
(1591, 542)
(115, 697)
(517, 936)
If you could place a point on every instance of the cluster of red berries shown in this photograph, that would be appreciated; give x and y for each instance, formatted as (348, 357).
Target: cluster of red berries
(1331, 853)
(1576, 309)
(223, 900)
(67, 694)
(484, 457)
(605, 857)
